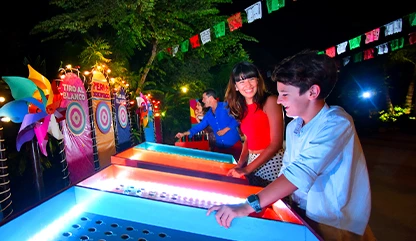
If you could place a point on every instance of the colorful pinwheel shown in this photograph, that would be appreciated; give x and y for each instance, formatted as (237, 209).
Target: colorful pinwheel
(35, 105)
(143, 105)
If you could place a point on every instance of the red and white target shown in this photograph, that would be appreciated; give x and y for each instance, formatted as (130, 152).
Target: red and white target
(103, 117)
(75, 118)
(122, 116)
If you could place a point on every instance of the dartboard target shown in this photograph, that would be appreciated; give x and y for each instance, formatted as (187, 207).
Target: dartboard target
(75, 118)
(103, 117)
(122, 116)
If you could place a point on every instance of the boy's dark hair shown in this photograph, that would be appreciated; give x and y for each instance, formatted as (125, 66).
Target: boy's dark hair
(211, 92)
(305, 69)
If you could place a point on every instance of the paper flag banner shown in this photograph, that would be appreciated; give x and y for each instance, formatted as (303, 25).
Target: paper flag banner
(219, 29)
(273, 5)
(235, 22)
(175, 50)
(195, 41)
(382, 49)
(412, 38)
(355, 42)
(368, 54)
(372, 36)
(205, 36)
(397, 44)
(358, 57)
(346, 60)
(254, 12)
(393, 27)
(185, 46)
(160, 55)
(330, 51)
(412, 19)
(341, 47)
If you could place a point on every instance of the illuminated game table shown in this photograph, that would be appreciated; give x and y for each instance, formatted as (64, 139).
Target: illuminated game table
(125, 203)
(179, 160)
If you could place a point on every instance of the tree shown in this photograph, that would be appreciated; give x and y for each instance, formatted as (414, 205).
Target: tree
(144, 27)
(401, 68)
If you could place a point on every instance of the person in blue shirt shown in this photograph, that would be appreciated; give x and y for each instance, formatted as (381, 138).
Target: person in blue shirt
(223, 125)
(324, 169)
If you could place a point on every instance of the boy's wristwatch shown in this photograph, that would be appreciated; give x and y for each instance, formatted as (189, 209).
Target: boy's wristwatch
(254, 201)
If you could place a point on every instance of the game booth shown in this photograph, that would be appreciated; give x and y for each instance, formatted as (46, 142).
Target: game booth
(150, 191)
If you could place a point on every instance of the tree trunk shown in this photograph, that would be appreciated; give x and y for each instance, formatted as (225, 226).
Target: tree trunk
(390, 108)
(410, 91)
(147, 67)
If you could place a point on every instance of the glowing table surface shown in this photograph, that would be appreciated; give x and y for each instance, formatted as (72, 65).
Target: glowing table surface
(125, 203)
(179, 160)
(189, 152)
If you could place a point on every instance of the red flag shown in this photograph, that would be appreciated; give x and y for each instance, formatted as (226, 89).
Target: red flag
(412, 38)
(195, 41)
(235, 22)
(372, 36)
(330, 51)
(368, 54)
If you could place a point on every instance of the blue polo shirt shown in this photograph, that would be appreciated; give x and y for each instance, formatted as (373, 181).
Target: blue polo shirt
(219, 121)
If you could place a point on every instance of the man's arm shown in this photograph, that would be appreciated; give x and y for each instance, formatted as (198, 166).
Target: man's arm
(199, 127)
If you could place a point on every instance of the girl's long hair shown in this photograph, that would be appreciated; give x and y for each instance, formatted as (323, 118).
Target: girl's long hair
(235, 100)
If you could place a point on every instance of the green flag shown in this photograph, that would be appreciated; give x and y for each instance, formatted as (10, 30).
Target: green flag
(412, 19)
(358, 57)
(185, 46)
(397, 44)
(273, 5)
(355, 42)
(219, 29)
(160, 56)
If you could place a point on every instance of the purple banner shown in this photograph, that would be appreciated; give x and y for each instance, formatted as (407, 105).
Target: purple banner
(76, 128)
(122, 121)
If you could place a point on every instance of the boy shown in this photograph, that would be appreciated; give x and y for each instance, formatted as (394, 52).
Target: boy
(324, 168)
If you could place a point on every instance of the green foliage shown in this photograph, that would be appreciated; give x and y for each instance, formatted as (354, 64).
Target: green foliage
(393, 116)
(131, 26)
(95, 52)
(127, 35)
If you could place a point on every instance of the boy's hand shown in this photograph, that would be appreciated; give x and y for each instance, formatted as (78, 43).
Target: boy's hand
(226, 213)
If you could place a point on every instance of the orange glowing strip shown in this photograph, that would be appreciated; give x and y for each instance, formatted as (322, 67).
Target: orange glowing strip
(128, 157)
(278, 211)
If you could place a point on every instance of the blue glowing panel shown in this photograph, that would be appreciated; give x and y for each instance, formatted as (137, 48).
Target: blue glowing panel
(86, 214)
(207, 155)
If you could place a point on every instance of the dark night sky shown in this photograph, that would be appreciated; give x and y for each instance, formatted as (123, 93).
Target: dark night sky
(314, 24)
